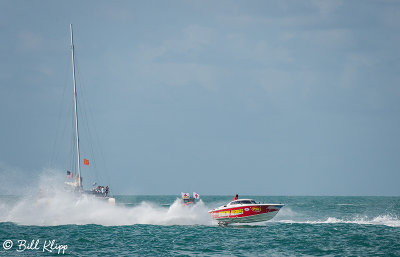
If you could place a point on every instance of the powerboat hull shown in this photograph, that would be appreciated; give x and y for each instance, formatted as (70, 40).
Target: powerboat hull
(245, 213)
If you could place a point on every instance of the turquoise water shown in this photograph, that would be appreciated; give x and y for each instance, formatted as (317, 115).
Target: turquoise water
(158, 225)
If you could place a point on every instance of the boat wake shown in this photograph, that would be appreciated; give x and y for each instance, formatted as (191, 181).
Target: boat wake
(56, 210)
(50, 205)
(385, 220)
(291, 217)
(62, 209)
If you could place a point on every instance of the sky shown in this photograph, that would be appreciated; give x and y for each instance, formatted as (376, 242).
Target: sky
(217, 97)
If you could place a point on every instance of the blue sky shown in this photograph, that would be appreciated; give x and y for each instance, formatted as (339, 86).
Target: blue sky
(260, 97)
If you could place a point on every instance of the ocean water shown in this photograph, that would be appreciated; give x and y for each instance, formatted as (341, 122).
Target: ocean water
(160, 226)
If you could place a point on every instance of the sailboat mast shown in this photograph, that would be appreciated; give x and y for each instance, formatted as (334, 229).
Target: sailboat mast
(76, 112)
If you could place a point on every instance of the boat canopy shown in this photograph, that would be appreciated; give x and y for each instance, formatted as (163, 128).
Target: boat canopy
(243, 201)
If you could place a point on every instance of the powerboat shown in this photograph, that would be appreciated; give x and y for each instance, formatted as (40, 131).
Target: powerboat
(187, 199)
(244, 211)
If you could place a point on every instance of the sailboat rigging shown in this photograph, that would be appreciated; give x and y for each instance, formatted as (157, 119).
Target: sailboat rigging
(79, 181)
(100, 191)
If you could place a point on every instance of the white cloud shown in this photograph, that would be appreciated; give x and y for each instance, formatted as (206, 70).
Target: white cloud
(326, 7)
(328, 38)
(193, 39)
(30, 41)
(115, 13)
(14, 181)
(284, 82)
(173, 61)
(245, 20)
(355, 67)
(181, 74)
(391, 17)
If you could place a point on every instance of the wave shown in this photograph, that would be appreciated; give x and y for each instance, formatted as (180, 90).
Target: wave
(55, 206)
(385, 220)
(58, 207)
(61, 208)
(53, 211)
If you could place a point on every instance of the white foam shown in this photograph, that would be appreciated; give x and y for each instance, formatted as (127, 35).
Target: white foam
(386, 220)
(58, 207)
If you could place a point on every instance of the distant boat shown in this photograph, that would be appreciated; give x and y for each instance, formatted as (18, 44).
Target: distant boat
(188, 199)
(99, 192)
(244, 211)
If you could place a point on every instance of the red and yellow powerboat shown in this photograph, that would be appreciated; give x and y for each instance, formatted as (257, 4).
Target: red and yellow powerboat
(244, 211)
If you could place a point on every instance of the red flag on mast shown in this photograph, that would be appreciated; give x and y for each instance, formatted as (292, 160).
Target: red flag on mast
(85, 161)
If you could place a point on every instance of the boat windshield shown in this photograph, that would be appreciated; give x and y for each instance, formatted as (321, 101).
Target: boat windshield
(243, 202)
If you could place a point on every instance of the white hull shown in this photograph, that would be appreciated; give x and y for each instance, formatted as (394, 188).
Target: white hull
(111, 200)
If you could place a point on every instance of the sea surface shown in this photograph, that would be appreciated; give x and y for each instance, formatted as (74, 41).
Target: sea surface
(161, 226)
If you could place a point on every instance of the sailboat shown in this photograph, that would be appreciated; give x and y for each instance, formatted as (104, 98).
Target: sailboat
(99, 192)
